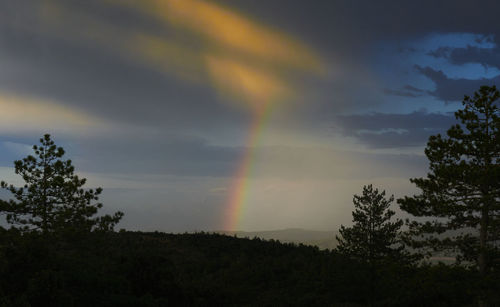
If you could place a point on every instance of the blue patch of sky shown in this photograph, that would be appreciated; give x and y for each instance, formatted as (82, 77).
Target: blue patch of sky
(11, 149)
(395, 65)
(454, 40)
(18, 147)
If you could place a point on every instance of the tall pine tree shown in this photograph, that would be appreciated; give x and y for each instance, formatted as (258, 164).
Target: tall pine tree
(373, 237)
(53, 198)
(460, 198)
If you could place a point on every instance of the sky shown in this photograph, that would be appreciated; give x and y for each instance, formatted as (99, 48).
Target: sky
(234, 114)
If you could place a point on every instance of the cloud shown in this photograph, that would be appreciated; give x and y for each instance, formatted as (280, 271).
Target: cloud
(197, 41)
(484, 50)
(407, 91)
(219, 190)
(448, 89)
(235, 50)
(224, 28)
(488, 57)
(12, 150)
(114, 44)
(323, 163)
(441, 52)
(160, 69)
(27, 114)
(157, 153)
(104, 84)
(380, 130)
(414, 89)
(18, 148)
(147, 158)
(256, 86)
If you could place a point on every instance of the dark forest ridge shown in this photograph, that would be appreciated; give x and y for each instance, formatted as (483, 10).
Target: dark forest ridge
(159, 269)
(321, 239)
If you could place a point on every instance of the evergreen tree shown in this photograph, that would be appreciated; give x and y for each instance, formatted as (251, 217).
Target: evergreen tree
(373, 237)
(460, 198)
(53, 198)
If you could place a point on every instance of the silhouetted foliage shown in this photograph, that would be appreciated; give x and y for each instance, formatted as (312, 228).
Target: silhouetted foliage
(460, 197)
(158, 269)
(53, 198)
(461, 193)
(373, 237)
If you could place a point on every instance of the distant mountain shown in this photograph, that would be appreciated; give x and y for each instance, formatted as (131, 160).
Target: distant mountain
(321, 239)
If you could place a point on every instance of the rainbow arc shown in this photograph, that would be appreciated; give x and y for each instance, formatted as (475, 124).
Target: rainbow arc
(240, 186)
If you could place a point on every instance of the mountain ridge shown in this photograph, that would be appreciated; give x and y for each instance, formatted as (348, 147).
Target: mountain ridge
(321, 239)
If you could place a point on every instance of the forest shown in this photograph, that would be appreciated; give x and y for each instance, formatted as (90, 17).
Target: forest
(59, 251)
(158, 269)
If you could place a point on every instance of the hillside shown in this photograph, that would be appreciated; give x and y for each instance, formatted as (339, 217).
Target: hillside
(321, 239)
(158, 269)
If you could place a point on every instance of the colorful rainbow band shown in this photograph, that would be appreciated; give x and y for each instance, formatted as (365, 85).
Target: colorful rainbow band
(238, 194)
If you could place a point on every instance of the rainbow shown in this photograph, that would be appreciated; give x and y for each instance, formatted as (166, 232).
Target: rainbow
(238, 194)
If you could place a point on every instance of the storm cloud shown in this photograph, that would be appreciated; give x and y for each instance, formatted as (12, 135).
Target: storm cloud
(157, 100)
(449, 90)
(378, 130)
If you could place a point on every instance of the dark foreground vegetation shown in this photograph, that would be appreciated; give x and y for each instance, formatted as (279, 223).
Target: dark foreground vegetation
(158, 269)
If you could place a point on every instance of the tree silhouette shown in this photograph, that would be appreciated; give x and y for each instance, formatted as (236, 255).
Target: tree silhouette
(53, 198)
(373, 237)
(460, 197)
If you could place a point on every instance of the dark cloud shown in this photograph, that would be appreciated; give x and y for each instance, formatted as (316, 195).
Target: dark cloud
(194, 158)
(414, 89)
(174, 127)
(136, 154)
(488, 57)
(407, 91)
(380, 130)
(441, 52)
(450, 90)
(344, 27)
(95, 79)
(388, 91)
(167, 155)
(107, 85)
(486, 39)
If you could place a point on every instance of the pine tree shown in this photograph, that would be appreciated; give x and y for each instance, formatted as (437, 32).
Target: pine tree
(460, 198)
(373, 237)
(53, 198)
